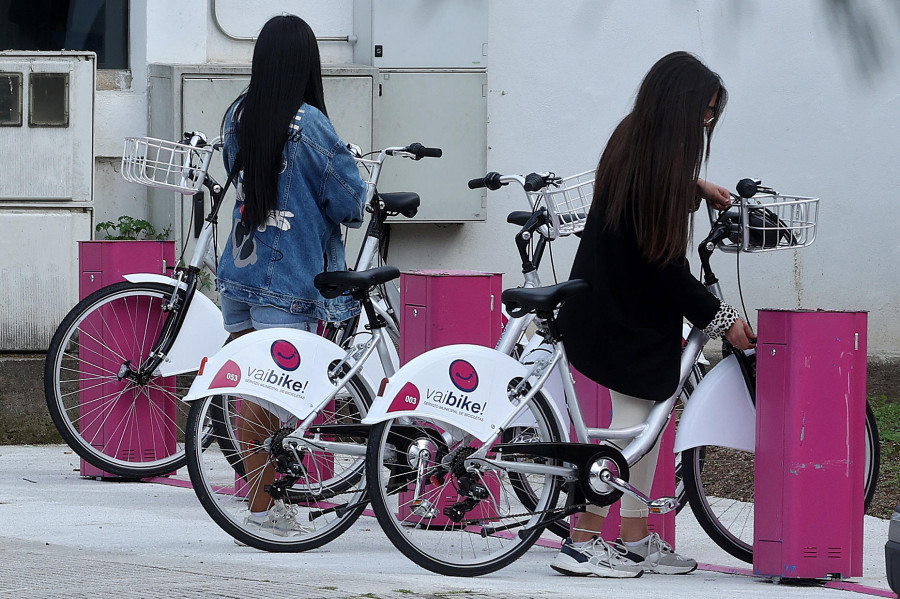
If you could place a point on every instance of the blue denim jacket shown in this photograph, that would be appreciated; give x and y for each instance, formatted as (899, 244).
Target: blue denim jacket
(319, 189)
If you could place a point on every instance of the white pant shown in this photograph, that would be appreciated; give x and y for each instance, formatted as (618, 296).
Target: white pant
(630, 411)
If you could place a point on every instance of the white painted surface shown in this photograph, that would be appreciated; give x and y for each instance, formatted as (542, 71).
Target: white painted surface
(802, 115)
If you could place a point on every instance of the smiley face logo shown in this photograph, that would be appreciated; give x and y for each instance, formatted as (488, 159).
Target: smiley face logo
(463, 376)
(285, 355)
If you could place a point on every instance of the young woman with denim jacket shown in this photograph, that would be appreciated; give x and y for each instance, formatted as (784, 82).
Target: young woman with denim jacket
(633, 252)
(297, 183)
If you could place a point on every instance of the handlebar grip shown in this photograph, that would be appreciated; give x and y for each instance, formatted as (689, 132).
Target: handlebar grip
(421, 151)
(747, 188)
(534, 182)
(490, 180)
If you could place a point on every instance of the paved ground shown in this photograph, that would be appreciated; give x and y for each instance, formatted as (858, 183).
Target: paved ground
(64, 536)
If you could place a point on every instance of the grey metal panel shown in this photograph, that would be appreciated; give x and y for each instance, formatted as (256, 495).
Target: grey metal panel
(195, 98)
(39, 280)
(443, 109)
(421, 33)
(40, 164)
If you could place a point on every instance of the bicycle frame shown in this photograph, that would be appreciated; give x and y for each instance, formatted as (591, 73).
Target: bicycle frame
(427, 372)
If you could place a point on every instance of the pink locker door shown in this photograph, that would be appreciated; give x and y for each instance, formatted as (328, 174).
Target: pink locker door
(128, 421)
(445, 307)
(810, 449)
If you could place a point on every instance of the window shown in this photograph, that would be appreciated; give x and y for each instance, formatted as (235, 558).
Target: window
(99, 26)
(48, 100)
(10, 99)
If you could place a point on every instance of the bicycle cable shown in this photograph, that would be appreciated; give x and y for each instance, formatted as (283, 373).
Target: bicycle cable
(740, 289)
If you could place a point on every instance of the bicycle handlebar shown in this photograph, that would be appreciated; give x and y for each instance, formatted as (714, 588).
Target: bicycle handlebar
(492, 181)
(417, 151)
(535, 182)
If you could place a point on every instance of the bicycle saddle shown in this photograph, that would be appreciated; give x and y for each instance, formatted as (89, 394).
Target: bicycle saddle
(339, 282)
(401, 202)
(521, 301)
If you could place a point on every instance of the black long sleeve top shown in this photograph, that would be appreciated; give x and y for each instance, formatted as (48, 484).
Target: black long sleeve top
(625, 333)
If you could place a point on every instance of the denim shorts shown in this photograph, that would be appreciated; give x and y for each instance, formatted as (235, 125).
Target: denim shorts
(240, 316)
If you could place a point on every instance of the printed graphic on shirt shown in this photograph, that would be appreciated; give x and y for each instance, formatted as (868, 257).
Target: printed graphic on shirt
(243, 238)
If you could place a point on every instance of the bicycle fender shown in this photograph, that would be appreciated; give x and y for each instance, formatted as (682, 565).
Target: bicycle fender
(202, 333)
(720, 411)
(286, 367)
(462, 385)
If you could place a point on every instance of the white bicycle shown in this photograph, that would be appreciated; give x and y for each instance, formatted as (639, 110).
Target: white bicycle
(468, 457)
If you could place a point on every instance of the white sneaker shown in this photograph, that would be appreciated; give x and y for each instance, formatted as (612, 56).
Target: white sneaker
(595, 557)
(655, 555)
(280, 522)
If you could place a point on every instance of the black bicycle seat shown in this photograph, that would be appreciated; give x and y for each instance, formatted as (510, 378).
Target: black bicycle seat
(521, 301)
(401, 202)
(339, 282)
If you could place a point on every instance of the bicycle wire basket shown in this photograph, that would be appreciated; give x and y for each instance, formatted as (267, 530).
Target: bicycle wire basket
(165, 164)
(568, 201)
(770, 222)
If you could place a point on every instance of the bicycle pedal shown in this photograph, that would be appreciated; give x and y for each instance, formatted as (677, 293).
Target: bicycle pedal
(663, 505)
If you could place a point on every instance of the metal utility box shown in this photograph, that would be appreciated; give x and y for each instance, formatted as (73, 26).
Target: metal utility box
(46, 188)
(443, 109)
(195, 98)
(140, 422)
(810, 444)
(445, 307)
(416, 34)
(431, 58)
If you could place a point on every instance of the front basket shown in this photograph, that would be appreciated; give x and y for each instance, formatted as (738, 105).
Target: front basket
(165, 164)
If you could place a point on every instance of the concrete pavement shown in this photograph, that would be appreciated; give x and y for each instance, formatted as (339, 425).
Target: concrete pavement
(64, 536)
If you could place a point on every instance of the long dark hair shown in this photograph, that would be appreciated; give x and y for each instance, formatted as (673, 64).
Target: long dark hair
(646, 178)
(286, 72)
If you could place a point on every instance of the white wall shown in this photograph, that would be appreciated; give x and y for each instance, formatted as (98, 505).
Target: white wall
(802, 116)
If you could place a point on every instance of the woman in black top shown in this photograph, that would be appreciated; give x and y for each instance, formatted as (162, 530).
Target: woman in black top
(625, 333)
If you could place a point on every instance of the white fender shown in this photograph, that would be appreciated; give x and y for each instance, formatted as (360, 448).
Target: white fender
(202, 333)
(463, 385)
(720, 411)
(286, 367)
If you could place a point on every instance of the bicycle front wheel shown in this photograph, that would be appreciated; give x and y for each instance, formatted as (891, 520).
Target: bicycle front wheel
(119, 425)
(313, 495)
(449, 518)
(719, 484)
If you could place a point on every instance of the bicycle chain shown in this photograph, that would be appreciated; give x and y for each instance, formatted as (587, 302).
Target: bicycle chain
(581, 507)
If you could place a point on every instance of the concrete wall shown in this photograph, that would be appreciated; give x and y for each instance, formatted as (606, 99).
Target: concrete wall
(814, 111)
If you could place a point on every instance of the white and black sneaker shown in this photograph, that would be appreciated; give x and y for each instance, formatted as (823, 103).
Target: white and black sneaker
(654, 555)
(593, 557)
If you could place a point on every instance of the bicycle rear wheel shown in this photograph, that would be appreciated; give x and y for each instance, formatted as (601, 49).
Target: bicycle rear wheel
(449, 519)
(120, 426)
(719, 483)
(320, 492)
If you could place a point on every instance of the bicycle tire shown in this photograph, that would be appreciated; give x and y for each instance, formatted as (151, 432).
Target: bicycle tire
(326, 500)
(119, 426)
(726, 512)
(430, 538)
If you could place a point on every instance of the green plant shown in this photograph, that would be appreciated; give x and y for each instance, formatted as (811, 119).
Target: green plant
(131, 228)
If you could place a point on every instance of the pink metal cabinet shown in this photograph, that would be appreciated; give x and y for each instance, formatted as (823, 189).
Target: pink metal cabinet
(810, 448)
(596, 407)
(151, 431)
(445, 307)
